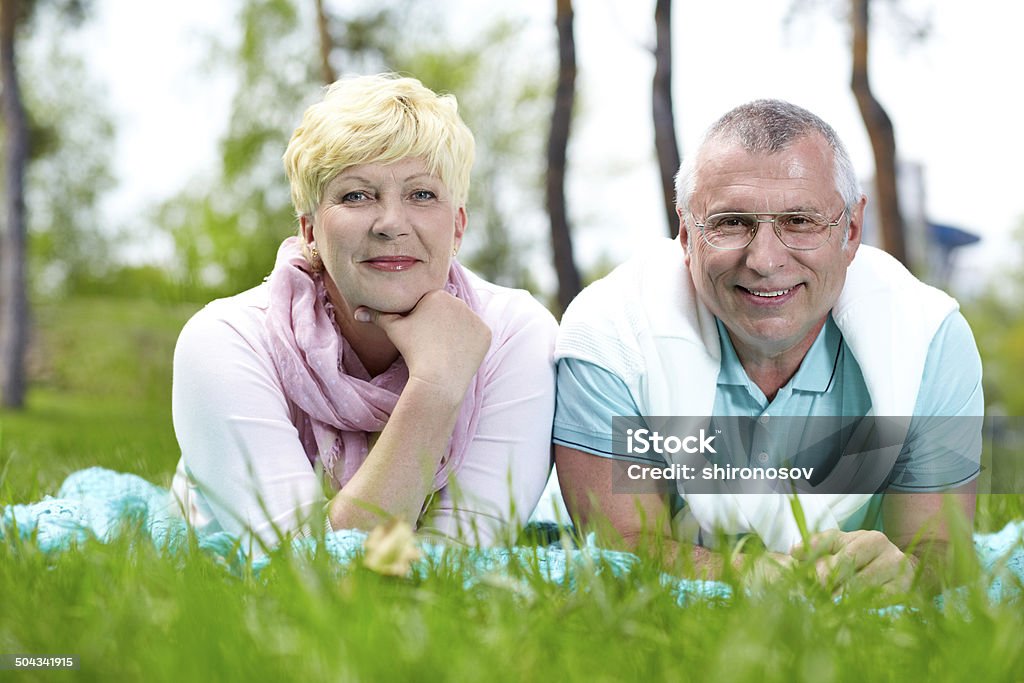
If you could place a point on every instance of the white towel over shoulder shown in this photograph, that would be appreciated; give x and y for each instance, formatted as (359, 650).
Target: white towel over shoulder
(644, 323)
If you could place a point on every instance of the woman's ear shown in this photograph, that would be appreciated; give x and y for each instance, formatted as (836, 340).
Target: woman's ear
(460, 225)
(306, 228)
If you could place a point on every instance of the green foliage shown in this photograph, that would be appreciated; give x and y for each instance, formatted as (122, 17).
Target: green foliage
(107, 348)
(101, 376)
(71, 135)
(223, 244)
(226, 230)
(997, 319)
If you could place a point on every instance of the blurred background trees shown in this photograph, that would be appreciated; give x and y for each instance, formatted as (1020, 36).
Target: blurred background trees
(558, 143)
(997, 318)
(665, 144)
(525, 106)
(226, 229)
(13, 296)
(56, 168)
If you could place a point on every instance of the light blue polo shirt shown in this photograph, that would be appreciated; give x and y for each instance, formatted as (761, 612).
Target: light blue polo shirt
(938, 453)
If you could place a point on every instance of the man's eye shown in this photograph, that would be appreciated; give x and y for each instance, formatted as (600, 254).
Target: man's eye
(731, 223)
(802, 221)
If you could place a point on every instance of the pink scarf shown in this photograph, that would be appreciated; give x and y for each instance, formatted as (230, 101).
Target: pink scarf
(324, 378)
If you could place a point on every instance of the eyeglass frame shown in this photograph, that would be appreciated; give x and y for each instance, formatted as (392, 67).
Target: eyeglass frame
(774, 218)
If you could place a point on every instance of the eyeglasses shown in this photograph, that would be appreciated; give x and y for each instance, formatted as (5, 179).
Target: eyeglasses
(800, 230)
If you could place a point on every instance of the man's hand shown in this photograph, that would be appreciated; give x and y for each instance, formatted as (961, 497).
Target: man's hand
(844, 560)
(764, 570)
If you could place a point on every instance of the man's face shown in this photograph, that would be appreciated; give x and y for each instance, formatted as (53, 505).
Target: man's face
(771, 298)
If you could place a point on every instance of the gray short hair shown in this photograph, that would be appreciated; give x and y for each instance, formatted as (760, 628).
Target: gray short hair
(770, 126)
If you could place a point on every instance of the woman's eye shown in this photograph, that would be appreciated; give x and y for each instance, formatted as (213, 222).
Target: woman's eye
(423, 195)
(356, 196)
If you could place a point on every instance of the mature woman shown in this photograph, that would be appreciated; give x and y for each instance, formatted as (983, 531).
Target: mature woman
(370, 361)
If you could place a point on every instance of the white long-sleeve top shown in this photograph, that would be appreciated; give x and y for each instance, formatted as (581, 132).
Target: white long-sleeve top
(244, 470)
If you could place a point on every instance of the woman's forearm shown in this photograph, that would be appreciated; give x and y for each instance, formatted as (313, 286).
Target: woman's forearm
(398, 473)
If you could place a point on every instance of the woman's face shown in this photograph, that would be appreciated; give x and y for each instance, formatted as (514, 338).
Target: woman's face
(386, 234)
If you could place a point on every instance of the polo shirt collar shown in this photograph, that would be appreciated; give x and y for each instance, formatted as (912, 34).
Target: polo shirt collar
(814, 374)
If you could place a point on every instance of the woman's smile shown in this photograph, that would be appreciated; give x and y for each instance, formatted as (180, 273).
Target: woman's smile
(391, 264)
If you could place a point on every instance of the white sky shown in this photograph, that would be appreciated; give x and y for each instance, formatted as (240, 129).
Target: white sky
(952, 99)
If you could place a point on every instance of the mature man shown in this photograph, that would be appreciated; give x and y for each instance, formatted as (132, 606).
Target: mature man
(762, 310)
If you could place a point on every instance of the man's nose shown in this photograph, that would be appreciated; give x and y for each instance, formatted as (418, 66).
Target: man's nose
(766, 253)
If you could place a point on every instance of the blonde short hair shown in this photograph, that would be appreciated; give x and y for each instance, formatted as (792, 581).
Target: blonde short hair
(377, 119)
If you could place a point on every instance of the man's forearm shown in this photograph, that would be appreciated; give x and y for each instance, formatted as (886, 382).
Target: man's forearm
(698, 562)
(937, 566)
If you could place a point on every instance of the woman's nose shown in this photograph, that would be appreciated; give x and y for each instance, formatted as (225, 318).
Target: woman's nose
(392, 221)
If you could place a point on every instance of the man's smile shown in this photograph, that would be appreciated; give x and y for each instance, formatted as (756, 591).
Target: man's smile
(768, 296)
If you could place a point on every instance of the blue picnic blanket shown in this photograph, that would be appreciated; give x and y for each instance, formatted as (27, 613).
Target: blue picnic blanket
(99, 503)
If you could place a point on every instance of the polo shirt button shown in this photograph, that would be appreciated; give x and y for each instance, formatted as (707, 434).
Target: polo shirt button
(762, 457)
(764, 419)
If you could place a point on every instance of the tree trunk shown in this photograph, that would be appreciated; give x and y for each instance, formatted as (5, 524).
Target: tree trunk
(13, 296)
(326, 45)
(664, 122)
(561, 117)
(883, 139)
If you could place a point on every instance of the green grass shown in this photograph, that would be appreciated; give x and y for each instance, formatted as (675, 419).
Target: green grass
(101, 372)
(61, 433)
(131, 613)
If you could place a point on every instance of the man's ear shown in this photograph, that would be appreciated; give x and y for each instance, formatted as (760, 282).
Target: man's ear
(856, 232)
(684, 237)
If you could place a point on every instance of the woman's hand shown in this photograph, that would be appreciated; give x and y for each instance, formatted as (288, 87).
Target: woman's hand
(443, 343)
(441, 339)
